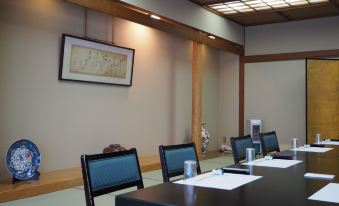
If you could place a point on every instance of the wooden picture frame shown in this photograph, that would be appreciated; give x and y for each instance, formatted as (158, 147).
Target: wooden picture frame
(88, 60)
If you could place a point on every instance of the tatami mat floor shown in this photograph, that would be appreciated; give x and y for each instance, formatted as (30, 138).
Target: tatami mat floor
(76, 196)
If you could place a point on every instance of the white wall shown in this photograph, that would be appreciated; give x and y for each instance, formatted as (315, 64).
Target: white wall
(275, 91)
(296, 36)
(67, 119)
(210, 95)
(195, 16)
(228, 109)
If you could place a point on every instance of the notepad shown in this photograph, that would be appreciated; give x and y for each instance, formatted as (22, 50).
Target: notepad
(312, 149)
(278, 163)
(319, 176)
(227, 181)
(329, 193)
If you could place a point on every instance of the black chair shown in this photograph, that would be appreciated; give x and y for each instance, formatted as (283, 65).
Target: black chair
(239, 145)
(109, 172)
(172, 159)
(269, 142)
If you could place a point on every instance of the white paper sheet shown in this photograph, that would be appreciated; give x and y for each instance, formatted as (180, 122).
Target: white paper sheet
(330, 143)
(319, 176)
(329, 193)
(312, 149)
(279, 163)
(227, 181)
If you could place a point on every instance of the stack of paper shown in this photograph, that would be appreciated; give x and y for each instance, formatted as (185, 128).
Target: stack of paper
(227, 181)
(319, 176)
(279, 163)
(329, 193)
(312, 149)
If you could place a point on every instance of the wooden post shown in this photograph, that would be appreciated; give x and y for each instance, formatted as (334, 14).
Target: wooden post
(241, 95)
(196, 95)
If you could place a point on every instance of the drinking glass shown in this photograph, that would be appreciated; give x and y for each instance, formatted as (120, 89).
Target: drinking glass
(190, 169)
(317, 138)
(295, 143)
(250, 154)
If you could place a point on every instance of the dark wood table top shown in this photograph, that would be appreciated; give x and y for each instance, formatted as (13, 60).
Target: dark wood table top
(278, 187)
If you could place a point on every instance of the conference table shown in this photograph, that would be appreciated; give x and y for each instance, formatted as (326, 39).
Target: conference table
(276, 187)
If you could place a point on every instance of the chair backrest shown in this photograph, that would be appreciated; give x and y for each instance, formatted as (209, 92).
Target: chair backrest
(239, 145)
(109, 172)
(269, 142)
(172, 159)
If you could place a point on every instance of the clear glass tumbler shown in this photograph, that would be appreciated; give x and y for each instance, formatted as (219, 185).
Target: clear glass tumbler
(250, 154)
(190, 169)
(295, 143)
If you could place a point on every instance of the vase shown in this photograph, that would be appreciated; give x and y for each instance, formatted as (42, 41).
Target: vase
(205, 139)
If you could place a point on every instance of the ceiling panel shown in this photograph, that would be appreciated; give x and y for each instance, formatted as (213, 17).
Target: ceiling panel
(313, 12)
(203, 2)
(301, 12)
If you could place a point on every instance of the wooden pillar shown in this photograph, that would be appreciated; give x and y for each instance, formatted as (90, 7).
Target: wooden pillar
(196, 94)
(241, 96)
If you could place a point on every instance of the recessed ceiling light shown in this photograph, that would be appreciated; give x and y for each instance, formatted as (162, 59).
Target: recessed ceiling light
(211, 37)
(155, 17)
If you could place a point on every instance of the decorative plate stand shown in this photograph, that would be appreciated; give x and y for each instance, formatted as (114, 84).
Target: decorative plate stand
(23, 160)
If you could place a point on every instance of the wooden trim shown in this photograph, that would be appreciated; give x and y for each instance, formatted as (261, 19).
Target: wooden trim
(306, 102)
(48, 182)
(131, 13)
(291, 56)
(280, 13)
(241, 96)
(85, 23)
(335, 3)
(196, 94)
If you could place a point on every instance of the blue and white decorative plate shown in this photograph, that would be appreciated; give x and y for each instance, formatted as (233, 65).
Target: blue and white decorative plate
(23, 159)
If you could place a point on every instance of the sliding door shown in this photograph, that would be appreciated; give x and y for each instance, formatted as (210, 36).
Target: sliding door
(322, 98)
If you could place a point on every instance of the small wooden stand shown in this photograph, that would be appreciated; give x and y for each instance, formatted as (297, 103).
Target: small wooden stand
(34, 177)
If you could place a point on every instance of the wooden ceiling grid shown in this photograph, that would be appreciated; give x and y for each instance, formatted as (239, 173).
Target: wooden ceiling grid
(320, 10)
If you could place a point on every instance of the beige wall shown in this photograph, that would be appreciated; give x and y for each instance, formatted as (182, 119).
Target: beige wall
(210, 96)
(67, 119)
(295, 36)
(228, 109)
(220, 95)
(275, 93)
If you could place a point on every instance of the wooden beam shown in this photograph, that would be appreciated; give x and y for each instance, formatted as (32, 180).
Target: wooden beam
(196, 95)
(335, 3)
(241, 96)
(291, 56)
(141, 16)
(280, 13)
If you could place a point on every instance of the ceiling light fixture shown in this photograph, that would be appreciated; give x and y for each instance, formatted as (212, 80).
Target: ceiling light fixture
(247, 6)
(155, 17)
(211, 37)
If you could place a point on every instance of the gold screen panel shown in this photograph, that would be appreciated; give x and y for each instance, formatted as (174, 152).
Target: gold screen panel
(322, 98)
